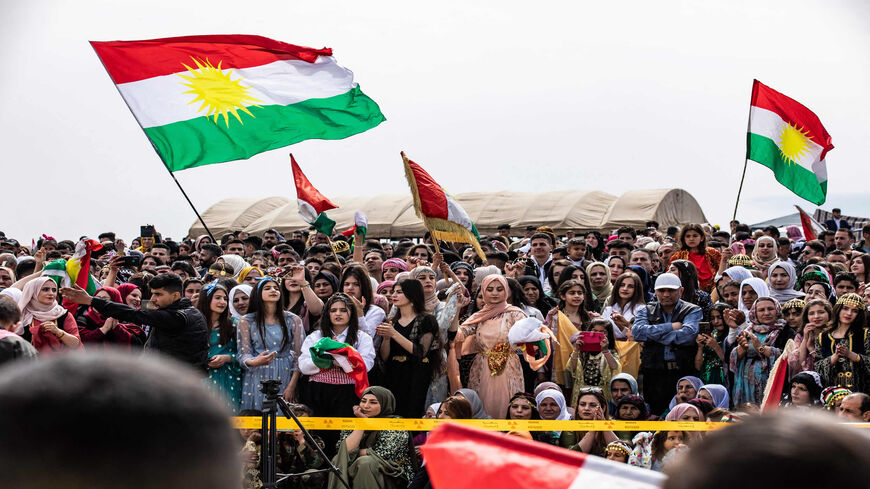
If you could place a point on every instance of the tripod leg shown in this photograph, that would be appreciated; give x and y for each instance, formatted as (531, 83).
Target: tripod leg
(288, 413)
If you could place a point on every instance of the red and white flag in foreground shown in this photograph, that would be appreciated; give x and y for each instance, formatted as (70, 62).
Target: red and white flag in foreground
(460, 457)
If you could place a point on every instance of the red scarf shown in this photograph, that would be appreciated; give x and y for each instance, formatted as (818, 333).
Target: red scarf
(92, 313)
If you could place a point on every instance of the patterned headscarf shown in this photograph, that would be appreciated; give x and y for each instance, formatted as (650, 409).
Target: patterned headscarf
(764, 263)
(766, 328)
(395, 263)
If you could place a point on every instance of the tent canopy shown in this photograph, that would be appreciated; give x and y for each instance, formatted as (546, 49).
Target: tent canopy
(393, 215)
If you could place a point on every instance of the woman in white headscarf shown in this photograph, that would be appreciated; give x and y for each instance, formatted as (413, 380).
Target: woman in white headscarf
(243, 293)
(44, 322)
(781, 278)
(750, 290)
(553, 403)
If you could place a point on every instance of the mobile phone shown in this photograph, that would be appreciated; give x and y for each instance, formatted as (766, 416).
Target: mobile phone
(146, 231)
(591, 340)
(704, 327)
(737, 248)
(131, 261)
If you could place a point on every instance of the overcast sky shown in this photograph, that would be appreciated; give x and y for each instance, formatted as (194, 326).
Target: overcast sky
(486, 96)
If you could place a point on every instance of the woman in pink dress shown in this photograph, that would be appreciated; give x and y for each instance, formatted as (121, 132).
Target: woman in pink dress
(496, 373)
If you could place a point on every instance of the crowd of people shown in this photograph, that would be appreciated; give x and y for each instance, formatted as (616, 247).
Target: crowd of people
(678, 324)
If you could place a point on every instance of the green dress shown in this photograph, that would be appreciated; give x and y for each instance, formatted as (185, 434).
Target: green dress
(226, 379)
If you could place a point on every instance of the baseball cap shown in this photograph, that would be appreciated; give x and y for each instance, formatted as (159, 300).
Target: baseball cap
(668, 281)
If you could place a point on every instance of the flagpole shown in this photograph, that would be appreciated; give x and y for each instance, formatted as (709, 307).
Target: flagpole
(739, 190)
(745, 160)
(207, 230)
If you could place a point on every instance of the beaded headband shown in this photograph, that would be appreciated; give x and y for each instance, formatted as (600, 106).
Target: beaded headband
(794, 304)
(340, 246)
(851, 300)
(618, 446)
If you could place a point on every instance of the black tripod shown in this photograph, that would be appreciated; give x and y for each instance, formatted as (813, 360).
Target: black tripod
(268, 471)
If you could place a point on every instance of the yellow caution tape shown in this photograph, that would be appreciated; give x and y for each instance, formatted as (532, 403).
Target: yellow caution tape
(402, 424)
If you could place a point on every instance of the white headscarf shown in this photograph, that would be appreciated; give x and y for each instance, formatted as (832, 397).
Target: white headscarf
(788, 293)
(737, 274)
(758, 285)
(243, 288)
(237, 262)
(560, 400)
(32, 309)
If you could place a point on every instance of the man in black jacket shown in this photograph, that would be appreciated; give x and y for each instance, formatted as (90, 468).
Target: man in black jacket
(668, 329)
(177, 328)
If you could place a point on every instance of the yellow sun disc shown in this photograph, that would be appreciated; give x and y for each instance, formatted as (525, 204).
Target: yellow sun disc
(793, 143)
(219, 93)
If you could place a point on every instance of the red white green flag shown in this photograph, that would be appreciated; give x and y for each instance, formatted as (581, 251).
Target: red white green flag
(210, 99)
(327, 353)
(810, 226)
(441, 213)
(788, 138)
(461, 457)
(312, 204)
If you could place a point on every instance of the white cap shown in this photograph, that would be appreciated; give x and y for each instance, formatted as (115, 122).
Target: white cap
(668, 281)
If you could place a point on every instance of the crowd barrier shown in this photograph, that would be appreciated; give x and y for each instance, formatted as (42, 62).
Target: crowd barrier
(315, 423)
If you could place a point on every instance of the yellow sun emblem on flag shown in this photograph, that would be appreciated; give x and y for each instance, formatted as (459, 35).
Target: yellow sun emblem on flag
(794, 142)
(218, 92)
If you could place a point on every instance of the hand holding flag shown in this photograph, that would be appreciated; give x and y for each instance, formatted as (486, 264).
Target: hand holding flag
(312, 204)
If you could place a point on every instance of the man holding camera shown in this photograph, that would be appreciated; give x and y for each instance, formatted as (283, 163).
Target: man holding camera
(668, 329)
(177, 328)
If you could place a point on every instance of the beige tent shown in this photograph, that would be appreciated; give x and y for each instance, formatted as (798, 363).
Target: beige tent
(393, 215)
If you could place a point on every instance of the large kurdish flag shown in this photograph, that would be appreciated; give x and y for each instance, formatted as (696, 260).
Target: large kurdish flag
(210, 99)
(789, 139)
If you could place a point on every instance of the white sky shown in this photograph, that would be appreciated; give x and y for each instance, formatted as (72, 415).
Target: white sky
(485, 95)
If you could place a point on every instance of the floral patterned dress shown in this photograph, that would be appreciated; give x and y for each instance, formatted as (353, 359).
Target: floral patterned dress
(226, 379)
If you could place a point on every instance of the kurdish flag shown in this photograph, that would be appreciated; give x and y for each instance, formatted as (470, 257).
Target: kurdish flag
(789, 139)
(327, 353)
(312, 204)
(462, 457)
(210, 99)
(440, 212)
(76, 270)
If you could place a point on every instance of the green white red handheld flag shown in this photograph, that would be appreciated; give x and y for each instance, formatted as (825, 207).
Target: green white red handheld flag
(440, 212)
(328, 352)
(461, 457)
(312, 204)
(216, 98)
(789, 139)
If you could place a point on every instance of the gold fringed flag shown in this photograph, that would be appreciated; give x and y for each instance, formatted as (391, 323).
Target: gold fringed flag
(441, 213)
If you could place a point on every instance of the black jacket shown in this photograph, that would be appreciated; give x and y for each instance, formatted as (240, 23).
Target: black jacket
(178, 330)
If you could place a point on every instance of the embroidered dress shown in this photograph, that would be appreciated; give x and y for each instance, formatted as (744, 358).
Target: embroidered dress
(389, 449)
(712, 370)
(592, 370)
(844, 373)
(252, 342)
(226, 379)
(496, 373)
